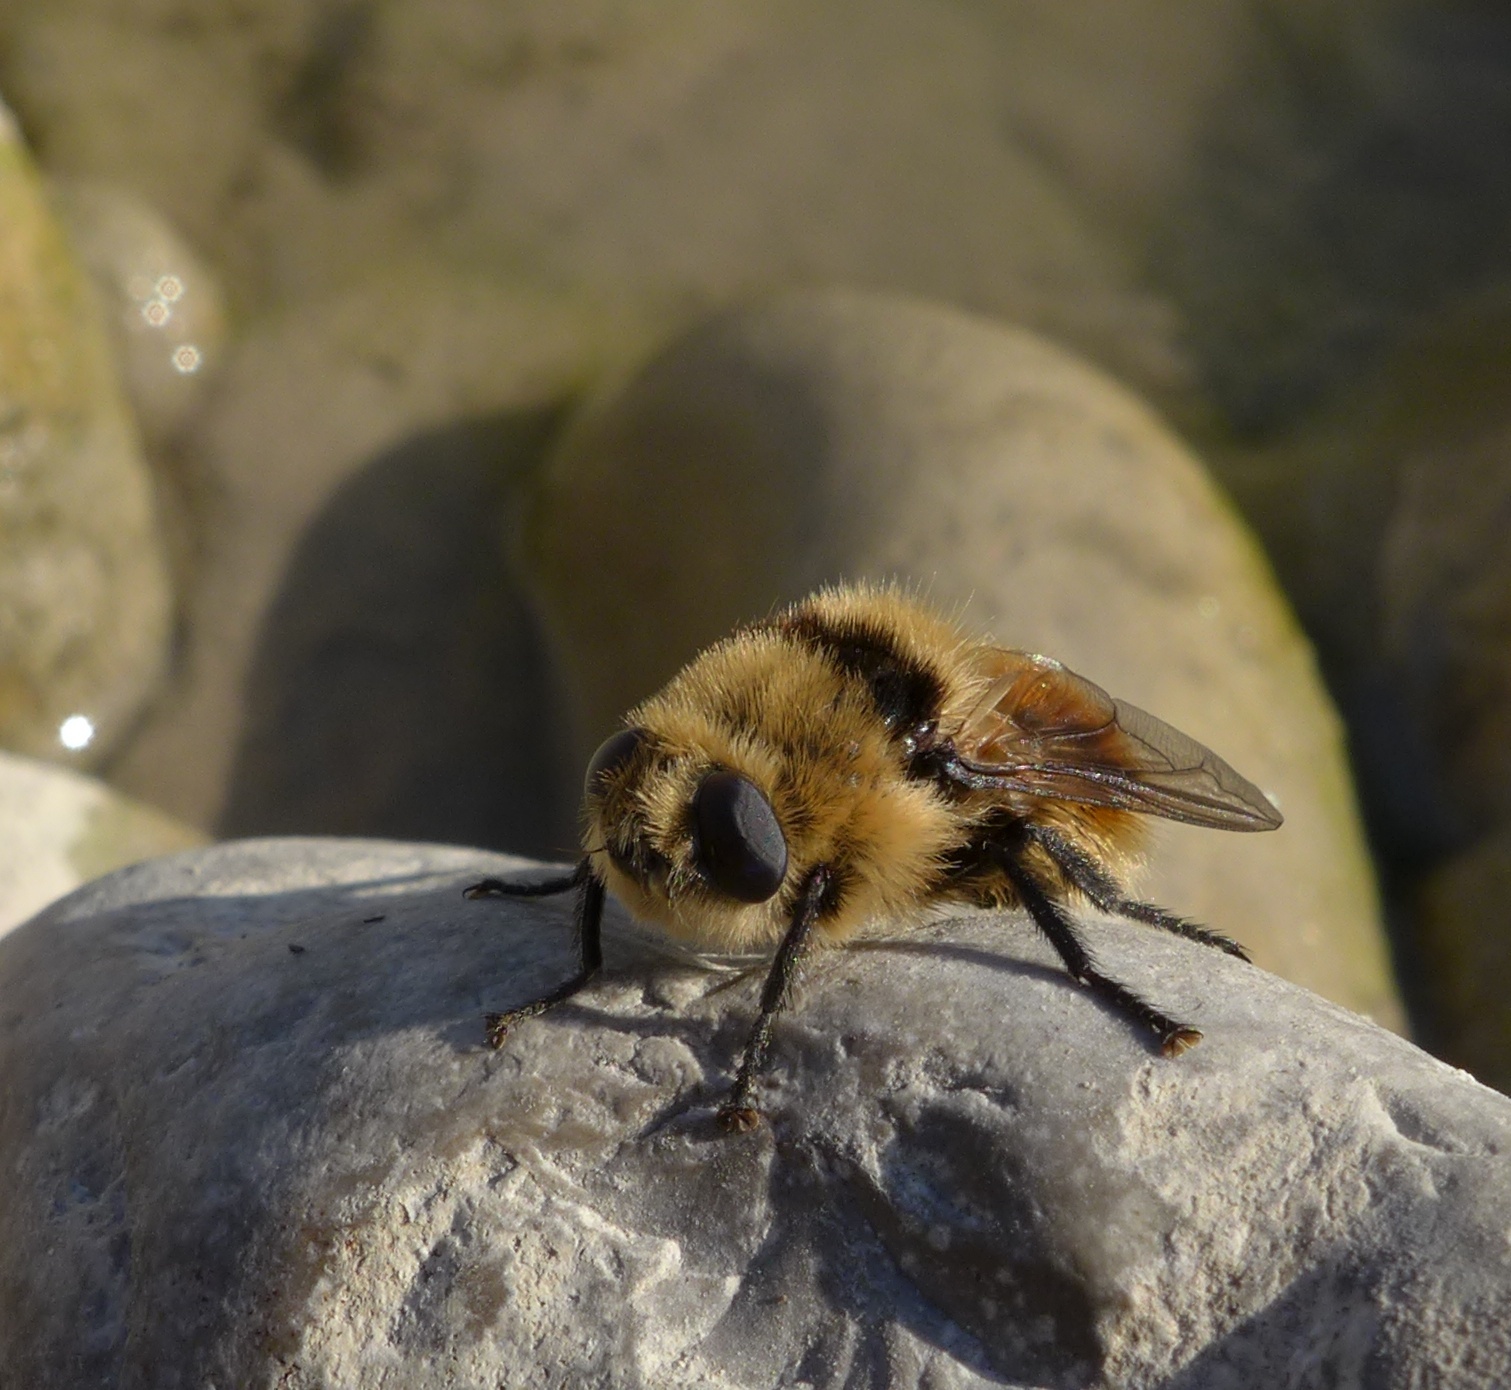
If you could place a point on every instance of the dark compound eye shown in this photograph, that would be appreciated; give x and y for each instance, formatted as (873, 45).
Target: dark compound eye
(613, 753)
(738, 842)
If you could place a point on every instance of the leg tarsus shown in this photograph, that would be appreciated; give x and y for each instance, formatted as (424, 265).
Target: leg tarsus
(1174, 1037)
(499, 1025)
(737, 1114)
(589, 955)
(738, 1119)
(504, 888)
(1181, 1041)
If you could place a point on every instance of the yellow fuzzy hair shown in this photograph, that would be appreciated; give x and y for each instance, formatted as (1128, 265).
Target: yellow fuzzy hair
(767, 705)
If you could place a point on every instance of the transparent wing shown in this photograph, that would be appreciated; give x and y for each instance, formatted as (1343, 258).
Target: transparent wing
(1045, 731)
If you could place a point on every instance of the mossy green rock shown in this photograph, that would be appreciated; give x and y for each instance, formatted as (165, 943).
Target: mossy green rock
(1466, 952)
(84, 594)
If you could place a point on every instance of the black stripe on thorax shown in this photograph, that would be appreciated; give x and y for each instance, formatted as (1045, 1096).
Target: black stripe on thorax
(907, 693)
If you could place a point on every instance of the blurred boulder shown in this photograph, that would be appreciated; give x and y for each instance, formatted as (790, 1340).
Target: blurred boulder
(60, 829)
(251, 1135)
(670, 157)
(1465, 949)
(84, 590)
(356, 657)
(399, 685)
(1231, 205)
(1444, 576)
(1386, 517)
(164, 306)
(826, 435)
(1346, 180)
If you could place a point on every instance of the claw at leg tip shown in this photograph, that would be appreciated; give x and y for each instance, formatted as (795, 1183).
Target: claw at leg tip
(1180, 1040)
(738, 1119)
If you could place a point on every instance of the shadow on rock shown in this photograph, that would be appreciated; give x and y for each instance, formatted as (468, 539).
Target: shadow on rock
(401, 685)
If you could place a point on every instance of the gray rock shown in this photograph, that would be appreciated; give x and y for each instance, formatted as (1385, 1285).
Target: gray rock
(251, 1138)
(84, 594)
(825, 435)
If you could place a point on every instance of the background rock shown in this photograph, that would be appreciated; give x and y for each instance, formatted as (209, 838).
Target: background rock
(1417, 462)
(251, 1136)
(165, 309)
(61, 829)
(1444, 635)
(1466, 952)
(1346, 184)
(84, 598)
(355, 654)
(674, 158)
(833, 435)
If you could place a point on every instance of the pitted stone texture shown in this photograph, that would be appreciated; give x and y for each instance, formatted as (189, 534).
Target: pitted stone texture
(252, 1139)
(828, 435)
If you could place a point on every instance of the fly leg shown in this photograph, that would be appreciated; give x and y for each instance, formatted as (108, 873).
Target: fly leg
(589, 941)
(737, 1114)
(1084, 873)
(1174, 1037)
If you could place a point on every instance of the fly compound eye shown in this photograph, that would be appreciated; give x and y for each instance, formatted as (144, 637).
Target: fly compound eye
(737, 840)
(613, 753)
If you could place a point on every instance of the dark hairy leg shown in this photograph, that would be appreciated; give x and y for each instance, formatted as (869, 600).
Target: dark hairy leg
(1086, 874)
(589, 943)
(1174, 1037)
(737, 1113)
(544, 888)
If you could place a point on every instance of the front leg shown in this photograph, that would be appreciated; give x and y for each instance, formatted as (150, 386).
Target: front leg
(541, 888)
(589, 948)
(737, 1114)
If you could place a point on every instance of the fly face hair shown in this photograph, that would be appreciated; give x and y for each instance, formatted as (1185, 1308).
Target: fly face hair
(857, 757)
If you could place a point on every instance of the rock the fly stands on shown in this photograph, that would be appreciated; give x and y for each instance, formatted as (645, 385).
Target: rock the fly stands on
(858, 757)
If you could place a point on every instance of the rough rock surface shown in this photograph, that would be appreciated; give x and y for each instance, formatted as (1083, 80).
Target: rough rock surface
(59, 829)
(84, 597)
(251, 1138)
(826, 435)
